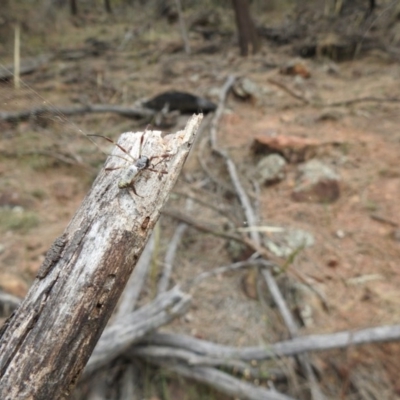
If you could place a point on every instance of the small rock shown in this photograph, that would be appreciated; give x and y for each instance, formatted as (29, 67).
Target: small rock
(340, 234)
(317, 183)
(271, 169)
(295, 68)
(246, 89)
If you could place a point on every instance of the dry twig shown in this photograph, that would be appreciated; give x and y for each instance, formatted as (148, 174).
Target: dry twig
(255, 237)
(222, 381)
(286, 89)
(129, 112)
(171, 251)
(182, 27)
(292, 347)
(124, 332)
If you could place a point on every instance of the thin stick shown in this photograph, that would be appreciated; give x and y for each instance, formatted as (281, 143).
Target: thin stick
(288, 90)
(222, 381)
(303, 359)
(17, 59)
(299, 345)
(135, 326)
(193, 359)
(171, 252)
(205, 203)
(129, 112)
(201, 226)
(249, 263)
(182, 27)
(256, 239)
(220, 109)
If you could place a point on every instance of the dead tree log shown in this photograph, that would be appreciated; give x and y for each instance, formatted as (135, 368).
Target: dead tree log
(45, 345)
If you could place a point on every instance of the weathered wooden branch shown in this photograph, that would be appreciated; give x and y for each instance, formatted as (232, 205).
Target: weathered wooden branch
(164, 280)
(118, 337)
(221, 381)
(341, 103)
(303, 359)
(249, 263)
(129, 112)
(46, 344)
(290, 347)
(255, 237)
(286, 89)
(193, 359)
(202, 226)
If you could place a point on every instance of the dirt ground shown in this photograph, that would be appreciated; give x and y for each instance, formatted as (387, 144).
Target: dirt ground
(353, 263)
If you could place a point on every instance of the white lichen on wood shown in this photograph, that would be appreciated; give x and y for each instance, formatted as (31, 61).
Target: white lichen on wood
(46, 344)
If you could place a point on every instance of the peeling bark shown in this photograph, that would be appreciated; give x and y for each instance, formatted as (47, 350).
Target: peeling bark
(47, 342)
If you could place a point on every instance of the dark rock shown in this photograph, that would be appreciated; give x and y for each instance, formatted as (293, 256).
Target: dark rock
(186, 103)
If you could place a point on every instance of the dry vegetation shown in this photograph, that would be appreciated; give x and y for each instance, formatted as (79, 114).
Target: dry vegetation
(347, 280)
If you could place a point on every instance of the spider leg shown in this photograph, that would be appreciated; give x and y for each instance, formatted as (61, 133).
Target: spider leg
(113, 169)
(116, 144)
(163, 156)
(156, 170)
(132, 186)
(141, 143)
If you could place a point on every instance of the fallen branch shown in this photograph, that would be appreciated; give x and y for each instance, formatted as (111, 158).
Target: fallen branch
(250, 263)
(291, 325)
(255, 237)
(286, 89)
(286, 348)
(192, 359)
(207, 203)
(201, 226)
(222, 381)
(170, 254)
(361, 100)
(117, 338)
(335, 103)
(135, 283)
(129, 112)
(46, 344)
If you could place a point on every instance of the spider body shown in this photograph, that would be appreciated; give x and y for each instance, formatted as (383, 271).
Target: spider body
(136, 167)
(133, 171)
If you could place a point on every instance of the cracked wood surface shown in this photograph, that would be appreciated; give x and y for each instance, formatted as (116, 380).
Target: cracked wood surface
(45, 345)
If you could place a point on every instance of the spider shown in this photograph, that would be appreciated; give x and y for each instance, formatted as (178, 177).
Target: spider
(133, 171)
